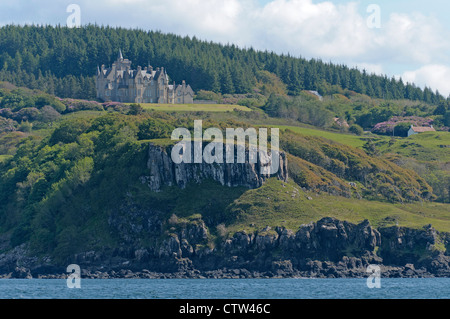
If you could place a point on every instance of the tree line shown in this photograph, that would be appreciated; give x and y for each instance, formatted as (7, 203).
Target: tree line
(63, 61)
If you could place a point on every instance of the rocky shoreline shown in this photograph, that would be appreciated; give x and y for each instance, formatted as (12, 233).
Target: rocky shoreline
(407, 271)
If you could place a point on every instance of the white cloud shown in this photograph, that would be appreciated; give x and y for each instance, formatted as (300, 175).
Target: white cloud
(433, 75)
(413, 38)
(340, 32)
(315, 30)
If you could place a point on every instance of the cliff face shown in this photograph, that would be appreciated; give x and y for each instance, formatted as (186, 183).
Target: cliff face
(327, 248)
(164, 172)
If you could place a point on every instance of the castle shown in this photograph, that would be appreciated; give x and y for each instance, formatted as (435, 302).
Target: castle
(120, 83)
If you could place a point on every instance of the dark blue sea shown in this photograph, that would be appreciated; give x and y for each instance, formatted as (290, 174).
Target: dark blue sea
(402, 288)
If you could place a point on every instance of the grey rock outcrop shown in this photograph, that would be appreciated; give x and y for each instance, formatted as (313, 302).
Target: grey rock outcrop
(164, 172)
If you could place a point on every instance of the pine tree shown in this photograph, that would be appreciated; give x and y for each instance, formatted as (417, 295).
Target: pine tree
(226, 81)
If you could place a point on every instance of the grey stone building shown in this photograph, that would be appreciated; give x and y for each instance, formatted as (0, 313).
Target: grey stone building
(120, 83)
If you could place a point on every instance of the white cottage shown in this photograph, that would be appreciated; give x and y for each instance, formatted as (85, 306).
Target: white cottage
(420, 129)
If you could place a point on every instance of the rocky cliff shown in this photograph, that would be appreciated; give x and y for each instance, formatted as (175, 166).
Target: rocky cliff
(327, 248)
(162, 171)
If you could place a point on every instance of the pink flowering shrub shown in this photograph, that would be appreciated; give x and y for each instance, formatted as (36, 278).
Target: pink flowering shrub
(74, 105)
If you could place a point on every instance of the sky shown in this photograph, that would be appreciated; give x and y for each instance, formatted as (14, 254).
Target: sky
(403, 38)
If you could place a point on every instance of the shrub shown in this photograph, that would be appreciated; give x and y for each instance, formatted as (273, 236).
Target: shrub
(7, 125)
(135, 109)
(73, 105)
(356, 129)
(25, 127)
(153, 129)
(48, 114)
(221, 230)
(68, 132)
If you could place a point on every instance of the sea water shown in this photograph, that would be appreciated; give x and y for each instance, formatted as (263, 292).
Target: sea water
(391, 288)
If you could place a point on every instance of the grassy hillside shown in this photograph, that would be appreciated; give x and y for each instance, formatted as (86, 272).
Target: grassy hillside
(288, 205)
(343, 138)
(424, 147)
(427, 153)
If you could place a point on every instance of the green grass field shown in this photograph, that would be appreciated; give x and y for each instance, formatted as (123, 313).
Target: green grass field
(343, 138)
(193, 107)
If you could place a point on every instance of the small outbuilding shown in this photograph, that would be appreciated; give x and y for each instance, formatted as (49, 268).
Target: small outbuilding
(420, 129)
